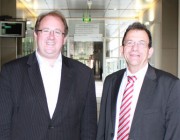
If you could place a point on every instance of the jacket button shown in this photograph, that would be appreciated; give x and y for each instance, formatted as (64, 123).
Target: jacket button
(50, 127)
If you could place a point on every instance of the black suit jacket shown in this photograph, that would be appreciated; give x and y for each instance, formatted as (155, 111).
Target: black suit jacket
(24, 112)
(157, 114)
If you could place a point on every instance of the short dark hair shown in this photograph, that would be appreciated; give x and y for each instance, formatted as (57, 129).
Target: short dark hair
(52, 13)
(138, 26)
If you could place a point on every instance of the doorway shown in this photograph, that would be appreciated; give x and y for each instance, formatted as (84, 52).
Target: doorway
(98, 60)
(90, 54)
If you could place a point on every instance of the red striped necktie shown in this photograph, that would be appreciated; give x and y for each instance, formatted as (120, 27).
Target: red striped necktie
(124, 115)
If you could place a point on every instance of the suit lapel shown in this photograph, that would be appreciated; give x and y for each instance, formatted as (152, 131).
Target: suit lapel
(115, 91)
(66, 79)
(37, 83)
(146, 91)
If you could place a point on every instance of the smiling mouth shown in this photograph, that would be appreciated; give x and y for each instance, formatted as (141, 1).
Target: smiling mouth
(134, 55)
(50, 43)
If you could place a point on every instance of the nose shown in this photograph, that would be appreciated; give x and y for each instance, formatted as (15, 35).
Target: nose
(51, 34)
(135, 46)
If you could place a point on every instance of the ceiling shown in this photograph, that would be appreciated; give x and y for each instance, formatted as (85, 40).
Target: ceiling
(125, 9)
(109, 14)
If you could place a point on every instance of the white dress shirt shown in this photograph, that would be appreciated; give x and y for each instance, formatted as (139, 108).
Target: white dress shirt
(137, 87)
(51, 76)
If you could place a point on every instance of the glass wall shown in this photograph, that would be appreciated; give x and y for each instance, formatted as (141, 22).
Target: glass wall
(28, 43)
(114, 31)
(101, 54)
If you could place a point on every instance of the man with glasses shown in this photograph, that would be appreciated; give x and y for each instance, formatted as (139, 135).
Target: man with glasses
(139, 102)
(45, 95)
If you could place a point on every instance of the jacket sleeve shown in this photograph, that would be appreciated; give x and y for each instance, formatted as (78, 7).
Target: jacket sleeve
(89, 120)
(101, 134)
(6, 105)
(173, 113)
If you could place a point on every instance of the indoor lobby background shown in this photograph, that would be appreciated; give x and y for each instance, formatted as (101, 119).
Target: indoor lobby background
(96, 28)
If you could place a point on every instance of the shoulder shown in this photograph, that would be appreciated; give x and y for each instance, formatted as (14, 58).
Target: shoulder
(161, 77)
(116, 74)
(15, 69)
(114, 77)
(19, 62)
(164, 74)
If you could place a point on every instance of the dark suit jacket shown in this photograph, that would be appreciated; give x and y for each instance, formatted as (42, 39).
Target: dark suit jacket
(157, 114)
(24, 112)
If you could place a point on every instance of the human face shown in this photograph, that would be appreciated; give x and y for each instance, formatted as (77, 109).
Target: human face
(49, 45)
(135, 50)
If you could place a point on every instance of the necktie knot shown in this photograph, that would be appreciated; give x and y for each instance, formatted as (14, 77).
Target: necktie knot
(132, 79)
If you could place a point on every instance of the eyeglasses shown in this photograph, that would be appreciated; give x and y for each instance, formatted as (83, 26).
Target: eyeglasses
(131, 43)
(56, 32)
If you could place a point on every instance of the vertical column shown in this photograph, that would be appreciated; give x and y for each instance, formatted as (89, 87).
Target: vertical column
(7, 45)
(179, 41)
(170, 36)
(0, 38)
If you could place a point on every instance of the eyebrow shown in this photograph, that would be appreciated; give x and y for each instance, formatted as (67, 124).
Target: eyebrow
(135, 41)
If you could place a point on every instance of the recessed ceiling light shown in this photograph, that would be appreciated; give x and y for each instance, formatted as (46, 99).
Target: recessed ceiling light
(147, 23)
(149, 1)
(28, 0)
(28, 22)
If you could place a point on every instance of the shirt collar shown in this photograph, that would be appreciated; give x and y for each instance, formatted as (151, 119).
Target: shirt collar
(140, 73)
(41, 61)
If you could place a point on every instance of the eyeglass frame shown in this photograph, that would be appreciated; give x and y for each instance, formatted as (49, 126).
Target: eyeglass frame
(140, 43)
(47, 31)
